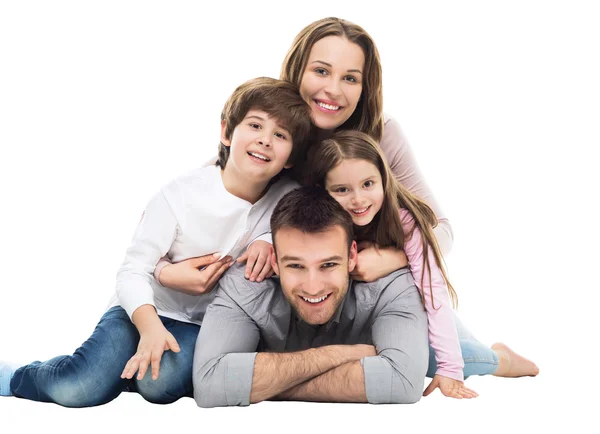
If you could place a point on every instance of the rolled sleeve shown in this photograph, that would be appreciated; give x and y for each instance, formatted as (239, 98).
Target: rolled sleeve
(224, 354)
(399, 332)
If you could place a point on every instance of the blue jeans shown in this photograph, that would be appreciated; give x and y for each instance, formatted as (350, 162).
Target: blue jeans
(479, 359)
(92, 375)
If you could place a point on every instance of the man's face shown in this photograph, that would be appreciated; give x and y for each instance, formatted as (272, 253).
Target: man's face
(313, 270)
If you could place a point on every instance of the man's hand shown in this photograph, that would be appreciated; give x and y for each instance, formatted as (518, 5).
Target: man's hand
(450, 388)
(153, 343)
(374, 262)
(195, 276)
(258, 265)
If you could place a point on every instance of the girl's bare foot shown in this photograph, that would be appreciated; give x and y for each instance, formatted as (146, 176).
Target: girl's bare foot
(511, 364)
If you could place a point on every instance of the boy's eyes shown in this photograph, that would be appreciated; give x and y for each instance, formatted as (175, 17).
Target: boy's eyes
(256, 126)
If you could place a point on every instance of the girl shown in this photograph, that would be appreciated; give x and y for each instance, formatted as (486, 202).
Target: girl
(351, 167)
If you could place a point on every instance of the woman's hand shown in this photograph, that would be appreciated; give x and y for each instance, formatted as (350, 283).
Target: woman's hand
(373, 262)
(257, 258)
(195, 276)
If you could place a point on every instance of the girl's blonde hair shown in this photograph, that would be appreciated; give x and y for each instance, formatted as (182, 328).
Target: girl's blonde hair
(385, 229)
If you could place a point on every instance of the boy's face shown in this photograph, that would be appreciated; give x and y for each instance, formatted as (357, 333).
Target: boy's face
(259, 147)
(313, 270)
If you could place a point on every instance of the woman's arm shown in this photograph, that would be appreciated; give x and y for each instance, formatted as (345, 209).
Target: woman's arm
(403, 163)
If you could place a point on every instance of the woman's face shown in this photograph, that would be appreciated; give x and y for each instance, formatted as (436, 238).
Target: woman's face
(332, 81)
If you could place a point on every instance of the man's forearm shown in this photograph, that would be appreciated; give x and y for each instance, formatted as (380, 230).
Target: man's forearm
(278, 372)
(346, 383)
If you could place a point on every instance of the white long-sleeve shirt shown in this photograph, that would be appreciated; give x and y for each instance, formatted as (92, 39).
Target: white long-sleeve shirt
(193, 215)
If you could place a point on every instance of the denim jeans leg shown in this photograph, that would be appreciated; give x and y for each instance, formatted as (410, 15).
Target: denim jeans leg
(89, 377)
(175, 376)
(478, 358)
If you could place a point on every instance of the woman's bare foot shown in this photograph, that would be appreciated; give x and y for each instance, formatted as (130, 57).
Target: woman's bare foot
(511, 364)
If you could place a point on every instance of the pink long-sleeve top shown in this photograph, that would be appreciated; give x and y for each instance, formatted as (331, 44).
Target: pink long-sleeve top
(442, 330)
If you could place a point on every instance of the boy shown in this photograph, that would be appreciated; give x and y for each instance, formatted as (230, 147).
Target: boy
(216, 210)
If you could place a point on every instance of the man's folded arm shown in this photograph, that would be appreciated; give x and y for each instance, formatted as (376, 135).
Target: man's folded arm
(395, 375)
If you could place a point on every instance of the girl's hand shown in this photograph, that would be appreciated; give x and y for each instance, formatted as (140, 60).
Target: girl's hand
(195, 276)
(373, 262)
(257, 258)
(153, 343)
(450, 388)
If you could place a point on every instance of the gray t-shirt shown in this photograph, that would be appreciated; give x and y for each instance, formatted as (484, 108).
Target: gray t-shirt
(248, 317)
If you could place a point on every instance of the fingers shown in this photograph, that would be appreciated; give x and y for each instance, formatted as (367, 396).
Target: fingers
(201, 261)
(171, 344)
(243, 258)
(131, 367)
(262, 261)
(214, 268)
(212, 281)
(432, 386)
(266, 272)
(144, 362)
(155, 363)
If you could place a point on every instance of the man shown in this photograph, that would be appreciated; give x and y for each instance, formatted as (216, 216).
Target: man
(315, 335)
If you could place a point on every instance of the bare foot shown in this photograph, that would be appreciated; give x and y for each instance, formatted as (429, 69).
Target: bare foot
(511, 364)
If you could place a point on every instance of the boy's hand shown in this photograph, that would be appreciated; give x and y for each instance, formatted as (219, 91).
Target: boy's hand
(450, 388)
(195, 276)
(258, 265)
(374, 262)
(153, 343)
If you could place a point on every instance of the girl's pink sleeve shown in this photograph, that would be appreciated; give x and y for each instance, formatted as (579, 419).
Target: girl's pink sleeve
(442, 330)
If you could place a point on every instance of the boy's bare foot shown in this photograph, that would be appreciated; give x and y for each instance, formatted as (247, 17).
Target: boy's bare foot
(511, 364)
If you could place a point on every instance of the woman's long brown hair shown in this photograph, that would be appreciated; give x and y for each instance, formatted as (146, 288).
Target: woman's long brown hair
(385, 229)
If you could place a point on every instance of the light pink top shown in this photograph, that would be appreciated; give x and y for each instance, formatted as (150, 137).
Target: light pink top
(442, 330)
(399, 155)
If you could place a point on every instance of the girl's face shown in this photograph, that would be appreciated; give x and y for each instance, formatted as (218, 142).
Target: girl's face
(332, 81)
(357, 186)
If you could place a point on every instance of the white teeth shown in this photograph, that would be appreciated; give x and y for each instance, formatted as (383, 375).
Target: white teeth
(315, 300)
(328, 106)
(262, 157)
(360, 211)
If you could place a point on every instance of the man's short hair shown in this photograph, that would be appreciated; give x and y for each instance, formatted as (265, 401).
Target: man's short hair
(310, 210)
(280, 100)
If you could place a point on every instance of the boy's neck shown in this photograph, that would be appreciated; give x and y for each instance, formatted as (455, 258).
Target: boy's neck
(248, 190)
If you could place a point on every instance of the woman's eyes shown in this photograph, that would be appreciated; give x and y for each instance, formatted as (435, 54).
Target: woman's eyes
(349, 78)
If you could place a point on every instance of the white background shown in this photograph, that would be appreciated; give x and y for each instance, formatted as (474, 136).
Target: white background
(103, 102)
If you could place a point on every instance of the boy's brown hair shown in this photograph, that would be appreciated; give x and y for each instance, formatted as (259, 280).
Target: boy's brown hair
(280, 100)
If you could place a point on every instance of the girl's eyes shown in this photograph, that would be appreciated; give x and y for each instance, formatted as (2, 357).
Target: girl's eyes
(368, 184)
(280, 136)
(255, 126)
(341, 190)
